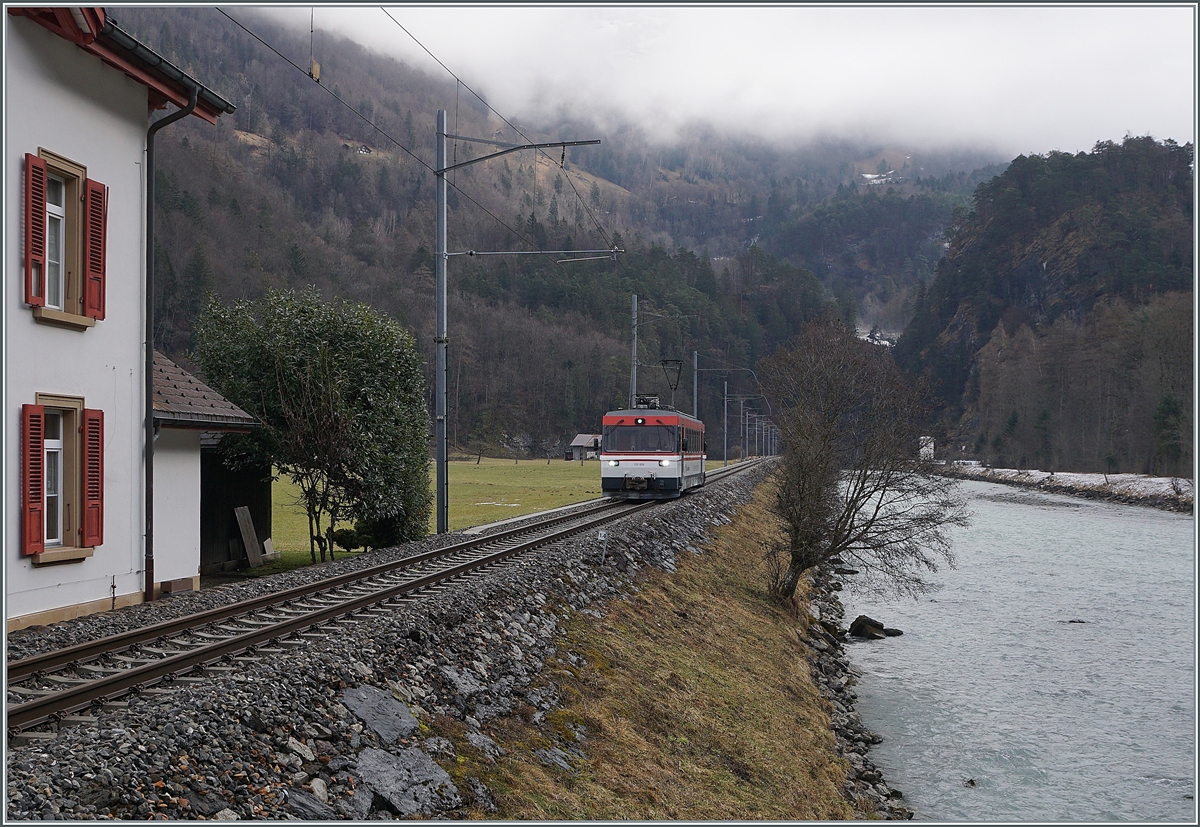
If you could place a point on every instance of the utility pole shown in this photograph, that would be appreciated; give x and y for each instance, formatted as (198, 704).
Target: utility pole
(742, 430)
(439, 336)
(633, 361)
(725, 424)
(695, 400)
(442, 507)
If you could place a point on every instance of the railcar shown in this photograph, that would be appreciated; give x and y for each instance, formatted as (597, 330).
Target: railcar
(650, 452)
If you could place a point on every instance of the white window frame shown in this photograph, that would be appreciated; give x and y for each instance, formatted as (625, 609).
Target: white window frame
(56, 241)
(52, 478)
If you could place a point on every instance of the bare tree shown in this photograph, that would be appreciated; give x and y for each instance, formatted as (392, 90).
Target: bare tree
(852, 484)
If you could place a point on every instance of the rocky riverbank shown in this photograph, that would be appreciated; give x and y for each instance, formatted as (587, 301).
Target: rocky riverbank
(351, 721)
(1167, 493)
(836, 677)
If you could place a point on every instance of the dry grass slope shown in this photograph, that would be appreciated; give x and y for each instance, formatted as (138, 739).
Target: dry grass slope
(695, 703)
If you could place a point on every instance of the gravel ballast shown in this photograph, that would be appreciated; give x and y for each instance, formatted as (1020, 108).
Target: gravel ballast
(334, 726)
(273, 738)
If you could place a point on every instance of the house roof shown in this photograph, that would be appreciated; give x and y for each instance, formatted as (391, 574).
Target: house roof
(183, 401)
(584, 440)
(97, 32)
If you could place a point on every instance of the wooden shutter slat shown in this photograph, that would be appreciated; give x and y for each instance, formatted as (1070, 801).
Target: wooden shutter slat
(35, 230)
(95, 247)
(92, 463)
(33, 458)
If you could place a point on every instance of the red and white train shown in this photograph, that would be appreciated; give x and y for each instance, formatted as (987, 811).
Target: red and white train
(650, 452)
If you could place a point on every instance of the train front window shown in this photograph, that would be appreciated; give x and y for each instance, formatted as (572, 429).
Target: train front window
(619, 439)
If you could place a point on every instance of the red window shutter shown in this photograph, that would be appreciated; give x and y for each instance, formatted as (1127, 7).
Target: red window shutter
(92, 462)
(33, 458)
(95, 247)
(35, 230)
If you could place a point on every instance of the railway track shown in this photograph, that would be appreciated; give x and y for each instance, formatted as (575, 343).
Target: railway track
(48, 687)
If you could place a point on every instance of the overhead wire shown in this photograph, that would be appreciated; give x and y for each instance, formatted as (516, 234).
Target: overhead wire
(481, 99)
(371, 124)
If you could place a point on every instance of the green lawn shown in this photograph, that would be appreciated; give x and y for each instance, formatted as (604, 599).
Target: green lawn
(493, 489)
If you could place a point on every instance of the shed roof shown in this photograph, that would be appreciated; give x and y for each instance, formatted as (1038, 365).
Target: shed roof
(183, 401)
(584, 440)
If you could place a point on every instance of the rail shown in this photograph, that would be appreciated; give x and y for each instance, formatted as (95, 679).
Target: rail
(140, 658)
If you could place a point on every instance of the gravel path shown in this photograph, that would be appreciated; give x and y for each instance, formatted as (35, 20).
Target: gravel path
(294, 736)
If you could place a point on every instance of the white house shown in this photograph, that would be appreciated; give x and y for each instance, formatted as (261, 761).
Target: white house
(78, 95)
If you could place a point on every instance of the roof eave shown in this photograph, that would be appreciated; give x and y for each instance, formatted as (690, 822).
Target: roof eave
(94, 31)
(169, 419)
(210, 105)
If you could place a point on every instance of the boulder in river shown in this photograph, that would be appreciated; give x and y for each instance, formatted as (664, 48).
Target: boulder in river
(866, 627)
(871, 629)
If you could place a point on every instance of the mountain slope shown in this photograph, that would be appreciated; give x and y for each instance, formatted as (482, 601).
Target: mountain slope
(1091, 241)
(297, 189)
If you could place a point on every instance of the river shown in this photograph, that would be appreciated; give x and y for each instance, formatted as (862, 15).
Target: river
(993, 683)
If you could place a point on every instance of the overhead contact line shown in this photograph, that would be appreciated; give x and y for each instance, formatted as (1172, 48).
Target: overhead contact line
(366, 120)
(480, 98)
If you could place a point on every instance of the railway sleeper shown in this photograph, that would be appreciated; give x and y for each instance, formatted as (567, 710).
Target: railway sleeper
(30, 692)
(77, 720)
(132, 661)
(31, 736)
(325, 602)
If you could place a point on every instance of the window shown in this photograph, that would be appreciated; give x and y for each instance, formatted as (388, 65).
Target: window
(66, 220)
(52, 470)
(639, 438)
(62, 479)
(56, 225)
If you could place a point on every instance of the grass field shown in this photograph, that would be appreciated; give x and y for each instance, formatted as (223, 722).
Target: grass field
(480, 493)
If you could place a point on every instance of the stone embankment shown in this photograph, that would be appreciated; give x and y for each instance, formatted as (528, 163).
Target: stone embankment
(1167, 493)
(339, 724)
(835, 676)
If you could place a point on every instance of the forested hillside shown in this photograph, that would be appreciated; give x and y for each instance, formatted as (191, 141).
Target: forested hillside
(873, 243)
(1058, 330)
(297, 189)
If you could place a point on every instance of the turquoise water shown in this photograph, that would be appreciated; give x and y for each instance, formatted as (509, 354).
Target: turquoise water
(1053, 720)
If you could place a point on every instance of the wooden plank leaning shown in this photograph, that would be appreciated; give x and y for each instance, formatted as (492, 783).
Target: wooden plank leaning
(249, 537)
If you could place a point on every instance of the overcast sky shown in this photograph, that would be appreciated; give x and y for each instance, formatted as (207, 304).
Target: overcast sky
(1017, 79)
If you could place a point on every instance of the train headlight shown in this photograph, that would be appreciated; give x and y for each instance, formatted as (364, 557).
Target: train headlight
(664, 462)
(614, 462)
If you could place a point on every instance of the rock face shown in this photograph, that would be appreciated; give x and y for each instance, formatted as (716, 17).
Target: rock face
(386, 716)
(409, 781)
(309, 807)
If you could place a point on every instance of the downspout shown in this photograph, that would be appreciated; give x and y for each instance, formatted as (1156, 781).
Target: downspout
(193, 94)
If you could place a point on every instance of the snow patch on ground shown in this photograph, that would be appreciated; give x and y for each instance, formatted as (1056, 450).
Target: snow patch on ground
(1124, 486)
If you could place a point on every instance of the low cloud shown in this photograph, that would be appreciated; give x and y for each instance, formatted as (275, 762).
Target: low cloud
(1018, 80)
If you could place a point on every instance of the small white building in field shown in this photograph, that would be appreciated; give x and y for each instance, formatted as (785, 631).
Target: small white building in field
(584, 446)
(78, 96)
